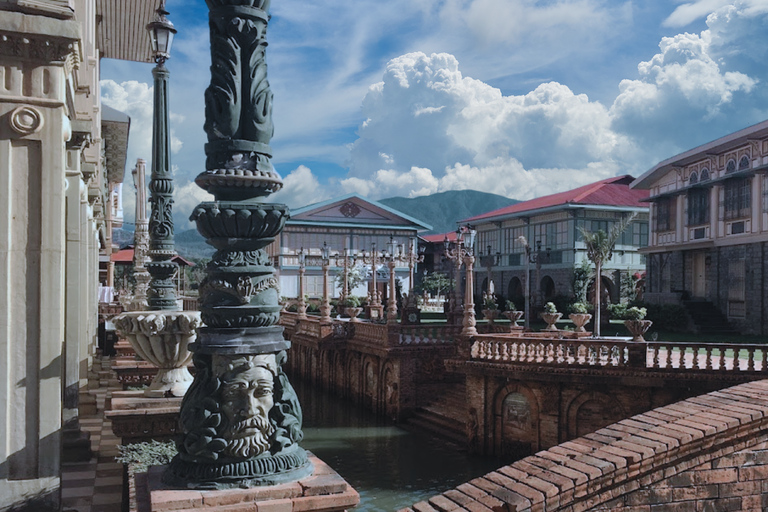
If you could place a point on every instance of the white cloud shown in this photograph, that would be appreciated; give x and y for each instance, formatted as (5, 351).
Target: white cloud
(300, 188)
(430, 129)
(689, 12)
(185, 198)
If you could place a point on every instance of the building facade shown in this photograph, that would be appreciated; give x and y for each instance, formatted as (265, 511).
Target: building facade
(61, 159)
(350, 222)
(709, 220)
(550, 225)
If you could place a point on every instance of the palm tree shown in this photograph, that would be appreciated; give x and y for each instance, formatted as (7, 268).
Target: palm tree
(599, 246)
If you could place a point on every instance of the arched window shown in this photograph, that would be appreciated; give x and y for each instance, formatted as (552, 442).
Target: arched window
(731, 166)
(744, 163)
(693, 179)
(704, 174)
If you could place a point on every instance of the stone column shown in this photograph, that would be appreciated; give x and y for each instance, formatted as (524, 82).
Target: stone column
(33, 131)
(140, 240)
(241, 419)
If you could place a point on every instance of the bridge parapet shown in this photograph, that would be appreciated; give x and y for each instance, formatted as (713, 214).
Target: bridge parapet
(607, 353)
(706, 453)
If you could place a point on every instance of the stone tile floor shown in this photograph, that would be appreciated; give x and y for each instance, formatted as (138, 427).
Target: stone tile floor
(96, 485)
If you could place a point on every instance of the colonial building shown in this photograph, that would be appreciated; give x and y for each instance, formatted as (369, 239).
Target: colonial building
(709, 236)
(551, 225)
(349, 222)
(61, 158)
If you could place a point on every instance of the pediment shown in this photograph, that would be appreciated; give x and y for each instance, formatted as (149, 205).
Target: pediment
(351, 209)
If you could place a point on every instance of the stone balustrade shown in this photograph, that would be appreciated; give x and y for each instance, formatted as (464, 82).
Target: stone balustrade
(678, 356)
(426, 334)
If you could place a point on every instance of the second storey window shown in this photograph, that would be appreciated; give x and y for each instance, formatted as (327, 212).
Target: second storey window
(664, 214)
(698, 206)
(737, 198)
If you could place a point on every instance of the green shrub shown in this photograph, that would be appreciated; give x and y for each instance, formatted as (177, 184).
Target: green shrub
(550, 307)
(618, 311)
(510, 306)
(579, 308)
(140, 456)
(489, 302)
(636, 313)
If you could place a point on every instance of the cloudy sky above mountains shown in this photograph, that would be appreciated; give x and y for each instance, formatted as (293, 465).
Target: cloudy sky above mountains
(517, 97)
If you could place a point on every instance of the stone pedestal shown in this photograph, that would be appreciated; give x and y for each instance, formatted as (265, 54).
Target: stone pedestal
(136, 418)
(323, 491)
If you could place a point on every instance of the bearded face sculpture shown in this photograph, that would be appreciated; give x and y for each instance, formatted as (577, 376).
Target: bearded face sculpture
(247, 385)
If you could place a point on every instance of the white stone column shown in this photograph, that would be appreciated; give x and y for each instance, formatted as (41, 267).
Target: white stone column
(757, 206)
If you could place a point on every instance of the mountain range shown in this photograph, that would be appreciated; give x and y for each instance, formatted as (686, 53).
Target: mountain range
(442, 211)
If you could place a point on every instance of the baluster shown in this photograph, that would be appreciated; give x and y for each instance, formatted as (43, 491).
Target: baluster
(505, 351)
(709, 358)
(668, 348)
(751, 365)
(513, 352)
(496, 352)
(474, 352)
(764, 365)
(722, 359)
(695, 364)
(656, 351)
(735, 366)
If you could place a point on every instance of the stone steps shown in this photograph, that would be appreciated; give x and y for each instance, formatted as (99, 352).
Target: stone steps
(443, 414)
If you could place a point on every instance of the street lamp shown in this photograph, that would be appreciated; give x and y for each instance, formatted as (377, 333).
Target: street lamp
(325, 308)
(464, 253)
(302, 309)
(535, 258)
(374, 303)
(161, 294)
(345, 262)
(489, 261)
(452, 255)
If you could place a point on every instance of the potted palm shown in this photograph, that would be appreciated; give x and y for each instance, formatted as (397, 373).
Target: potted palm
(636, 323)
(550, 316)
(513, 315)
(579, 316)
(490, 309)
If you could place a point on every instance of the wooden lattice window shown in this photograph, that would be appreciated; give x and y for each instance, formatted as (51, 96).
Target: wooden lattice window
(698, 206)
(738, 194)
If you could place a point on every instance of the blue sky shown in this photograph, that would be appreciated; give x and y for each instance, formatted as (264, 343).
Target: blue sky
(517, 97)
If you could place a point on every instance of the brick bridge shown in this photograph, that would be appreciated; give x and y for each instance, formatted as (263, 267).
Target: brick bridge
(708, 453)
(503, 394)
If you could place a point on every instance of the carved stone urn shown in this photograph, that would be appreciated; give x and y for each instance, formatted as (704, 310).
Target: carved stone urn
(162, 338)
(550, 319)
(580, 320)
(353, 313)
(513, 317)
(637, 328)
(490, 315)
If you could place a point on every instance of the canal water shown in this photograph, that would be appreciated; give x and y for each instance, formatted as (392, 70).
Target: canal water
(390, 467)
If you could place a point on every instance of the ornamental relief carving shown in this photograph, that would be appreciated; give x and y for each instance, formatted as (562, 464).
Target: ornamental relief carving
(26, 120)
(38, 47)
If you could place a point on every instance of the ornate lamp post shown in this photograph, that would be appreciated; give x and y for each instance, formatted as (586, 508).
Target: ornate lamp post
(325, 308)
(534, 257)
(162, 335)
(464, 252)
(411, 313)
(348, 260)
(302, 267)
(452, 255)
(375, 309)
(241, 420)
(140, 240)
(392, 255)
(489, 261)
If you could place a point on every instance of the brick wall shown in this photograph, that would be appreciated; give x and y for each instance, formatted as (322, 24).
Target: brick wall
(705, 453)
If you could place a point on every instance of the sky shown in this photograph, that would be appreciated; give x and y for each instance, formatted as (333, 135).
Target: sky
(520, 98)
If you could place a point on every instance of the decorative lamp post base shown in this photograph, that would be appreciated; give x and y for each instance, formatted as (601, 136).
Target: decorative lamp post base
(162, 338)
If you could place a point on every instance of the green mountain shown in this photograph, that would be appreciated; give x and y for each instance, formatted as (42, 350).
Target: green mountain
(442, 211)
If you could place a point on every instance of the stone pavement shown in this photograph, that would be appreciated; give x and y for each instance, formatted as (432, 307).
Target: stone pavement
(96, 485)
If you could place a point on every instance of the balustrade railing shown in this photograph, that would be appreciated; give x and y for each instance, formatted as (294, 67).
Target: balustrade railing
(372, 333)
(551, 352)
(679, 356)
(718, 357)
(426, 334)
(309, 327)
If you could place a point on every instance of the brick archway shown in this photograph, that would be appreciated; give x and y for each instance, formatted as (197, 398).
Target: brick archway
(391, 391)
(515, 421)
(592, 410)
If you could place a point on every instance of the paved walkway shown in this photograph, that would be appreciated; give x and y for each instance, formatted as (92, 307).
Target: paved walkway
(96, 485)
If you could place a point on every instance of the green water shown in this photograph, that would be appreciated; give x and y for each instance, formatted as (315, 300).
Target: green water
(390, 467)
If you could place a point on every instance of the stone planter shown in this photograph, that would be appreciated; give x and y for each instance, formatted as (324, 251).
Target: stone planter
(161, 338)
(353, 313)
(513, 316)
(550, 319)
(490, 315)
(580, 320)
(637, 328)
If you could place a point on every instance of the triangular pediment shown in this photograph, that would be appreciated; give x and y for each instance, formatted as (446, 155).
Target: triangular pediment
(354, 209)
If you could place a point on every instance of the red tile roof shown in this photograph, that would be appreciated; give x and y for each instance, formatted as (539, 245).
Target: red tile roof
(609, 192)
(125, 257)
(438, 239)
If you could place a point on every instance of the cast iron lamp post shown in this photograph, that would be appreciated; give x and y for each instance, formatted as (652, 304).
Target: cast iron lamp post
(393, 255)
(415, 255)
(465, 240)
(489, 261)
(161, 294)
(325, 308)
(302, 309)
(451, 255)
(535, 258)
(348, 260)
(374, 304)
